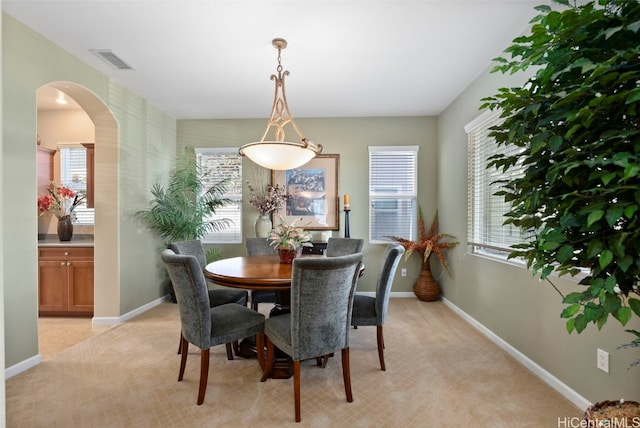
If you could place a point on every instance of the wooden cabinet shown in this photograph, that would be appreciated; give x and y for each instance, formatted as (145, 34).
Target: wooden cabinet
(65, 280)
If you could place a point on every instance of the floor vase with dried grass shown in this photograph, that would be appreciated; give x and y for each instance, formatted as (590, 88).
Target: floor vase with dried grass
(426, 288)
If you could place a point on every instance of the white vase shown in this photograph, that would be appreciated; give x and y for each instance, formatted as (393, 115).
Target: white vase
(263, 226)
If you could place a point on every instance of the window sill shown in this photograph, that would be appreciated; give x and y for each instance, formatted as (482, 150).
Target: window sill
(521, 264)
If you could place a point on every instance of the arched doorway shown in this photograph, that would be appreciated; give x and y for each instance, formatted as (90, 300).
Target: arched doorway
(106, 280)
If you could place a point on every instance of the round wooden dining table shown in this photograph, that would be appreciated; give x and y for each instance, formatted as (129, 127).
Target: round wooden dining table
(251, 273)
(255, 273)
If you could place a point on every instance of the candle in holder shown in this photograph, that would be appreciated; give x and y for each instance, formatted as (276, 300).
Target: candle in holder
(346, 202)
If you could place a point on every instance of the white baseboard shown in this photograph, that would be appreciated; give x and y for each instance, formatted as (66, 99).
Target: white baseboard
(571, 395)
(102, 321)
(22, 366)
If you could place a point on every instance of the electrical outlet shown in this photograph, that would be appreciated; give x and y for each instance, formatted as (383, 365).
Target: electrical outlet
(403, 272)
(603, 360)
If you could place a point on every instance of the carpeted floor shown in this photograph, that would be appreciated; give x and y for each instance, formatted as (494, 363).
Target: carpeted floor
(440, 373)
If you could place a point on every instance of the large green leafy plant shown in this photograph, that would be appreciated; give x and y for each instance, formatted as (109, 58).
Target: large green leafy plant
(576, 123)
(178, 211)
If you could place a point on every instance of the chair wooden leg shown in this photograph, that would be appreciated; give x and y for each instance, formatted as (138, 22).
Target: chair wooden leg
(184, 347)
(346, 374)
(229, 351)
(260, 350)
(180, 344)
(254, 306)
(325, 360)
(381, 347)
(296, 388)
(270, 358)
(204, 374)
(322, 361)
(236, 347)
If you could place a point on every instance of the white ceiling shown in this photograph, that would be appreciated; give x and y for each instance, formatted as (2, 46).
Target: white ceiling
(213, 59)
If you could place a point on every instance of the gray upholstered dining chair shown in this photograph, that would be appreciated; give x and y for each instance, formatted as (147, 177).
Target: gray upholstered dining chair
(340, 247)
(260, 247)
(203, 325)
(219, 296)
(371, 311)
(343, 246)
(322, 292)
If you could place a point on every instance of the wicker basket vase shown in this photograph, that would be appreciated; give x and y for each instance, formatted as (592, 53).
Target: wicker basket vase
(426, 288)
(613, 414)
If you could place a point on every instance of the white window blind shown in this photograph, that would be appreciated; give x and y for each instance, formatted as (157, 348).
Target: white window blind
(393, 178)
(485, 229)
(73, 174)
(215, 165)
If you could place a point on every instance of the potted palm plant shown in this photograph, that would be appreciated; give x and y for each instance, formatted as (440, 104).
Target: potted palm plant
(178, 211)
(576, 130)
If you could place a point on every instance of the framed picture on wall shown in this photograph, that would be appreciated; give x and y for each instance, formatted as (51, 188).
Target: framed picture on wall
(313, 194)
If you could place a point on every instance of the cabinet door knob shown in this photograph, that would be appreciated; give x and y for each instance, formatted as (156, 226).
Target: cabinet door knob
(62, 263)
(66, 253)
(68, 263)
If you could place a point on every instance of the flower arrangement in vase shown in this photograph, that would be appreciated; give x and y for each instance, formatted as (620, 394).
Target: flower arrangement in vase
(267, 199)
(61, 201)
(425, 287)
(289, 240)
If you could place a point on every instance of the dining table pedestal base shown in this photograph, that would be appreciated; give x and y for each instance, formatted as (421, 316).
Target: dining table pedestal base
(283, 364)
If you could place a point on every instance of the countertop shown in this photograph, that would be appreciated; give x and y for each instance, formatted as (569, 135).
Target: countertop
(76, 241)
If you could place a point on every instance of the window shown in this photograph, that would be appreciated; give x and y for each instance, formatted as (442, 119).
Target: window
(485, 229)
(73, 174)
(393, 193)
(215, 165)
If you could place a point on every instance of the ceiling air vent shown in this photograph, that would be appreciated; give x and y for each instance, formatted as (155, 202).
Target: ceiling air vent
(111, 58)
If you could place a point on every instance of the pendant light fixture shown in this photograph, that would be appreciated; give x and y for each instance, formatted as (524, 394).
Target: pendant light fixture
(272, 151)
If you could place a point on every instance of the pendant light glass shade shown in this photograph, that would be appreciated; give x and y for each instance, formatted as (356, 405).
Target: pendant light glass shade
(272, 151)
(279, 155)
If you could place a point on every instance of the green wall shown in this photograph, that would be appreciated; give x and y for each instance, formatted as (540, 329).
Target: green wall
(505, 297)
(135, 146)
(350, 138)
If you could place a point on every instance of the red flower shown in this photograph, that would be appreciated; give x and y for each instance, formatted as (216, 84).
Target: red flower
(59, 200)
(44, 203)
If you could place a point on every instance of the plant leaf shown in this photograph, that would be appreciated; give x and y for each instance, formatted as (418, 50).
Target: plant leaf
(570, 310)
(594, 216)
(623, 314)
(606, 257)
(565, 253)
